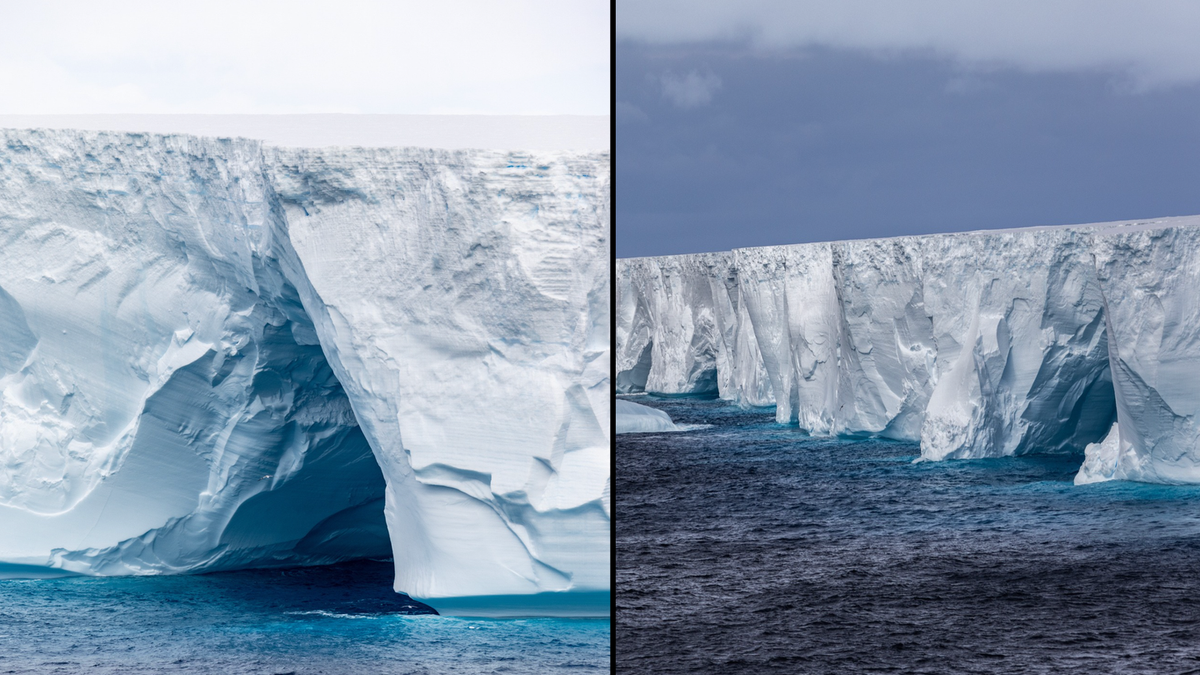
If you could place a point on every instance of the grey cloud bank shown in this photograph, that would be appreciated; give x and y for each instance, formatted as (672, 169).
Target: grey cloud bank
(691, 90)
(818, 144)
(1153, 43)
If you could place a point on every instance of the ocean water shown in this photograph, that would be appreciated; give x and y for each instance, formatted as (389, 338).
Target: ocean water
(337, 619)
(747, 546)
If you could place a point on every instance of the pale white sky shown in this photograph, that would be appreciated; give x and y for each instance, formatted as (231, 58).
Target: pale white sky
(500, 57)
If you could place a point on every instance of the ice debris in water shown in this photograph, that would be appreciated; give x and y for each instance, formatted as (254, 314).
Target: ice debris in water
(633, 418)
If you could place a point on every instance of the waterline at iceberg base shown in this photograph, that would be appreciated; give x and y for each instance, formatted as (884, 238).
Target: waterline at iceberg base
(976, 344)
(341, 618)
(219, 355)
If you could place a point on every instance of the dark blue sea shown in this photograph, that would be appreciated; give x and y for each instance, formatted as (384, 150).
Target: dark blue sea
(337, 619)
(749, 547)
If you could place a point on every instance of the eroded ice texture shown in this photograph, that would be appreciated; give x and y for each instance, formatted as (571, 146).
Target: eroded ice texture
(1100, 459)
(976, 344)
(463, 299)
(683, 329)
(640, 419)
(216, 355)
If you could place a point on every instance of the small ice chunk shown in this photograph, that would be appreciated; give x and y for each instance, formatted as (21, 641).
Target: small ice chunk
(633, 418)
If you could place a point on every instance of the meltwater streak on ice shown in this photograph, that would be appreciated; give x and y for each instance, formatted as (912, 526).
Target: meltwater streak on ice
(219, 355)
(977, 344)
(752, 547)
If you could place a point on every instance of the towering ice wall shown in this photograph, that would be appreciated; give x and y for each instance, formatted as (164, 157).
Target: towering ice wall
(1025, 368)
(975, 344)
(1150, 278)
(463, 299)
(216, 355)
(683, 329)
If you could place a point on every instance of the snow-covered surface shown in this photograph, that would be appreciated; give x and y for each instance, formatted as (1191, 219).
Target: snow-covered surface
(975, 344)
(219, 354)
(634, 418)
(447, 132)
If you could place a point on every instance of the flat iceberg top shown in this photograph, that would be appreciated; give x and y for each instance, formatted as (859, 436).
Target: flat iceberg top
(1108, 227)
(449, 132)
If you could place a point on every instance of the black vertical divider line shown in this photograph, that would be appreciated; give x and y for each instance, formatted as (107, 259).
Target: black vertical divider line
(612, 330)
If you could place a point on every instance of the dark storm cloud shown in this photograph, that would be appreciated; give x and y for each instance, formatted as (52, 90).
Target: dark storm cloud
(802, 143)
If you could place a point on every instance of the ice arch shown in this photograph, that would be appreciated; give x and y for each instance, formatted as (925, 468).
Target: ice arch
(227, 355)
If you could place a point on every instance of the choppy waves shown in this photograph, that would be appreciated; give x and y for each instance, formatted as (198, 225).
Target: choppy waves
(751, 547)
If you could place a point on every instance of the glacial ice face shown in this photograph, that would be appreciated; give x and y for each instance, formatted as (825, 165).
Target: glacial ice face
(451, 282)
(633, 418)
(161, 381)
(974, 344)
(216, 355)
(1150, 278)
(1100, 459)
(1024, 313)
(682, 328)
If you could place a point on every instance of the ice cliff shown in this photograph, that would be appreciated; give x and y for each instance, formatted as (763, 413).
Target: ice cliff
(979, 344)
(217, 354)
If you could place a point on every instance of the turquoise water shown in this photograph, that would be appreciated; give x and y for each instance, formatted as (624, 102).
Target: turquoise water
(337, 619)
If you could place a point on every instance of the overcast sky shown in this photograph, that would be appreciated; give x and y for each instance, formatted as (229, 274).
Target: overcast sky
(752, 123)
(302, 56)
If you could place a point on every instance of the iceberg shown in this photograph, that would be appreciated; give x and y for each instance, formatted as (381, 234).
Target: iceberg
(974, 344)
(680, 318)
(633, 418)
(220, 354)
